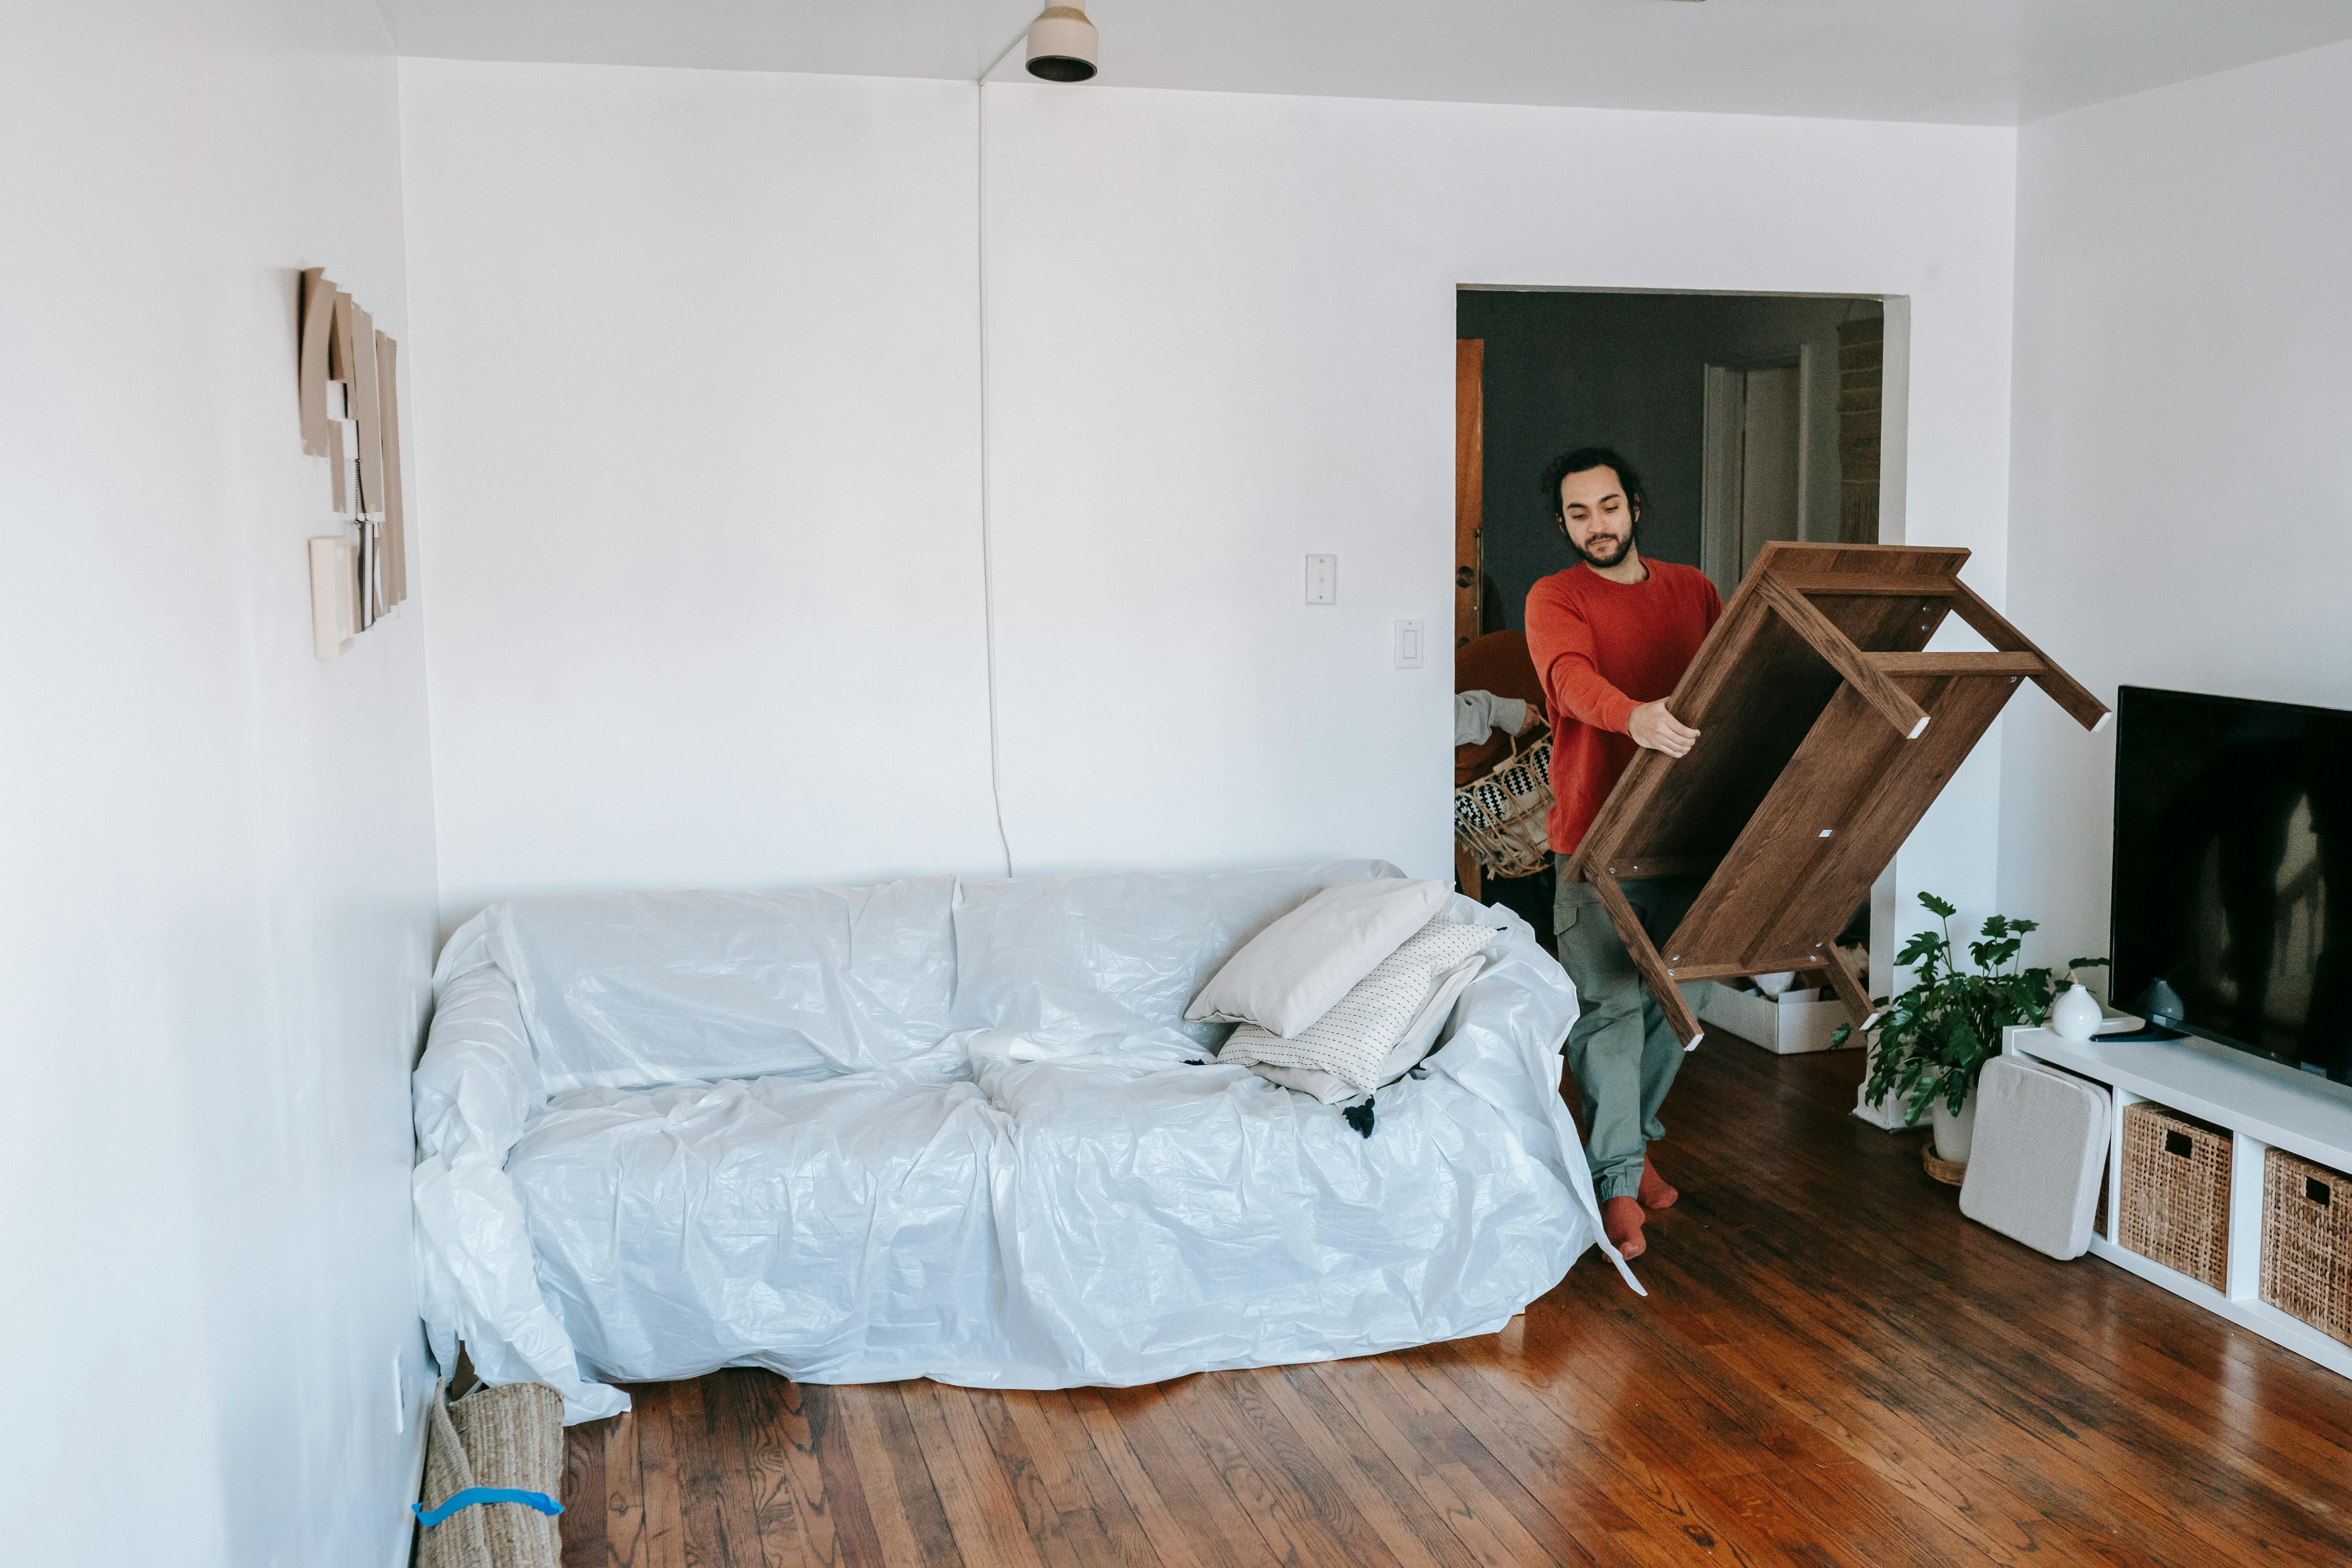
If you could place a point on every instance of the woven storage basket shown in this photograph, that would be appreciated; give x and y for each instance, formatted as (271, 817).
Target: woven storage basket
(2307, 1242)
(1499, 818)
(511, 1436)
(2175, 1201)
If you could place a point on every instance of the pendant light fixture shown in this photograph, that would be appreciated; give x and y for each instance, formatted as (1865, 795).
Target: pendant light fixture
(1060, 49)
(1062, 45)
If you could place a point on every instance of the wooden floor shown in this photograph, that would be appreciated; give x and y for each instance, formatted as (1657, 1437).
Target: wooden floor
(1832, 1367)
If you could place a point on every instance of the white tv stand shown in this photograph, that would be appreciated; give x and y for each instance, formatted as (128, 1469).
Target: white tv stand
(2263, 1103)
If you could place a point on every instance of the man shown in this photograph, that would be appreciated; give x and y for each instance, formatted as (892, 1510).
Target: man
(1611, 638)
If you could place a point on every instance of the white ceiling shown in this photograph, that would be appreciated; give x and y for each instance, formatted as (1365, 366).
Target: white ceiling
(1996, 62)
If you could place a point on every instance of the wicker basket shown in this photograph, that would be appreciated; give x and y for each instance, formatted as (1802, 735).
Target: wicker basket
(1499, 818)
(2307, 1242)
(2175, 1201)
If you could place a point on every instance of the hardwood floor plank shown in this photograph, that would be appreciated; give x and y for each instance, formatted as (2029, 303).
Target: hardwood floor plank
(1171, 1543)
(714, 1483)
(1832, 1367)
(1151, 1424)
(1374, 1488)
(845, 1502)
(1574, 1515)
(624, 1492)
(1285, 1522)
(1282, 1453)
(665, 1535)
(1074, 1475)
(1747, 1426)
(1453, 1498)
(788, 1501)
(984, 1428)
(1540, 1443)
(980, 1507)
(735, 1475)
(581, 1526)
(909, 1524)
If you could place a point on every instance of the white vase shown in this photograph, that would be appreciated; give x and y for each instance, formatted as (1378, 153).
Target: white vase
(1954, 1133)
(2075, 1014)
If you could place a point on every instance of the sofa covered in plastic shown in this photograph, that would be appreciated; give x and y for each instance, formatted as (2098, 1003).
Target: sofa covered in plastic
(958, 1131)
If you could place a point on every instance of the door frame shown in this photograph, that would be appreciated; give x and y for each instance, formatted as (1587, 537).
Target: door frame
(1719, 532)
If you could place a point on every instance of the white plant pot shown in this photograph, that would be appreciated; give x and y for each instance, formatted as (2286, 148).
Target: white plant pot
(1954, 1133)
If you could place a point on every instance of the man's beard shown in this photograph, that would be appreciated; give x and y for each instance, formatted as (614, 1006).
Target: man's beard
(1605, 556)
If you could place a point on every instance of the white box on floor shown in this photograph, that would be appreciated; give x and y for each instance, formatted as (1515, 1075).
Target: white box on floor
(1796, 1021)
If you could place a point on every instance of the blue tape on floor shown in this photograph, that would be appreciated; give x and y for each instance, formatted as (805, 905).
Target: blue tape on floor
(472, 1495)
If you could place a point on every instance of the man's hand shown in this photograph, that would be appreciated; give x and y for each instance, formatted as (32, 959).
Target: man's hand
(1651, 725)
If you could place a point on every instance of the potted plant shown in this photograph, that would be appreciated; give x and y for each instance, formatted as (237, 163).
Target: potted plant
(1933, 1039)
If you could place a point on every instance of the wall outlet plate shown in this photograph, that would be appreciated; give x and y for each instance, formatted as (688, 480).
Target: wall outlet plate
(1323, 579)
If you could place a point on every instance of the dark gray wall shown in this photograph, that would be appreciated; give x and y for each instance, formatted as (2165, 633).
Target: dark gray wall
(1628, 371)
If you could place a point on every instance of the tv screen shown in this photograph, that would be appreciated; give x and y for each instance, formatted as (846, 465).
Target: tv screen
(2233, 847)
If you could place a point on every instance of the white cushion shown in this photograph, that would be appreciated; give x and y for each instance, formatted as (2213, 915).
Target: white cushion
(1386, 1022)
(1296, 969)
(2037, 1154)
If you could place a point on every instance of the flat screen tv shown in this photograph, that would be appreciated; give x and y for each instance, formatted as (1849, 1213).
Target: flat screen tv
(2232, 913)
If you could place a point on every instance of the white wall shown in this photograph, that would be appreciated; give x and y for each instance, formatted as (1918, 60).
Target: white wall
(1224, 337)
(698, 374)
(217, 854)
(697, 353)
(2182, 489)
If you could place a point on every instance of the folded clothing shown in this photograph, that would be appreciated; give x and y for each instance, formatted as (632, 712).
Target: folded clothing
(1385, 1024)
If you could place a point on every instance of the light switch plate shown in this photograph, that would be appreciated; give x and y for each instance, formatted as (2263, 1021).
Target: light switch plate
(1410, 634)
(1323, 579)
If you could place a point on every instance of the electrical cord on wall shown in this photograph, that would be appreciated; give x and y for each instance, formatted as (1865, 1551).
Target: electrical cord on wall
(987, 539)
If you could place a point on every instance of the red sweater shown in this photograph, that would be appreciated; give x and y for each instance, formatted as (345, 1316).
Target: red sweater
(1603, 649)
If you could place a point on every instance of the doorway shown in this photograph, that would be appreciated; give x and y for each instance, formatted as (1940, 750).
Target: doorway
(1755, 455)
(1751, 417)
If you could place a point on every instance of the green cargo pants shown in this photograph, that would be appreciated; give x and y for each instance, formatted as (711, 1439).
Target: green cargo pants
(1622, 1050)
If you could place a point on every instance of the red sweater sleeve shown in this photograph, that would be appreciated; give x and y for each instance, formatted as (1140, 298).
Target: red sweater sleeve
(1560, 641)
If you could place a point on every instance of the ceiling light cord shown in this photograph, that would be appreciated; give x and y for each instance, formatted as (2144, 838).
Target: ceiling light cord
(987, 537)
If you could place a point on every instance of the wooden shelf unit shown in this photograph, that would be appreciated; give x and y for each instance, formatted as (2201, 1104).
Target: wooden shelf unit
(2264, 1104)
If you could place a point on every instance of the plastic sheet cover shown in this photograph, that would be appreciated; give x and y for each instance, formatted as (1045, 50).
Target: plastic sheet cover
(957, 1132)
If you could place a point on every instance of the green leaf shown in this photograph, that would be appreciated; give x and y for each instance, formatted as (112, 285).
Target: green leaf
(1933, 1038)
(1920, 946)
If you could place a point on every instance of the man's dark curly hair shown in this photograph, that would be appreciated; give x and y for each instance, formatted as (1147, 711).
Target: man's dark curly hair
(1583, 459)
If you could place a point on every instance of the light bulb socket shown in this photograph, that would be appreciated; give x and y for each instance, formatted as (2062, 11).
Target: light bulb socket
(1062, 45)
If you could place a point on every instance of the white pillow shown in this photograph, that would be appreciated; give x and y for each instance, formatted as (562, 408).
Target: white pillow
(1387, 1021)
(1294, 971)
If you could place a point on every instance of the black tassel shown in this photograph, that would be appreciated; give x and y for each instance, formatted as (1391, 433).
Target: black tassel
(1359, 1117)
(1194, 1062)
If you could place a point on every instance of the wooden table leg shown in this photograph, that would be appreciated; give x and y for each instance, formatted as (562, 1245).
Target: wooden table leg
(1647, 960)
(1849, 992)
(1467, 875)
